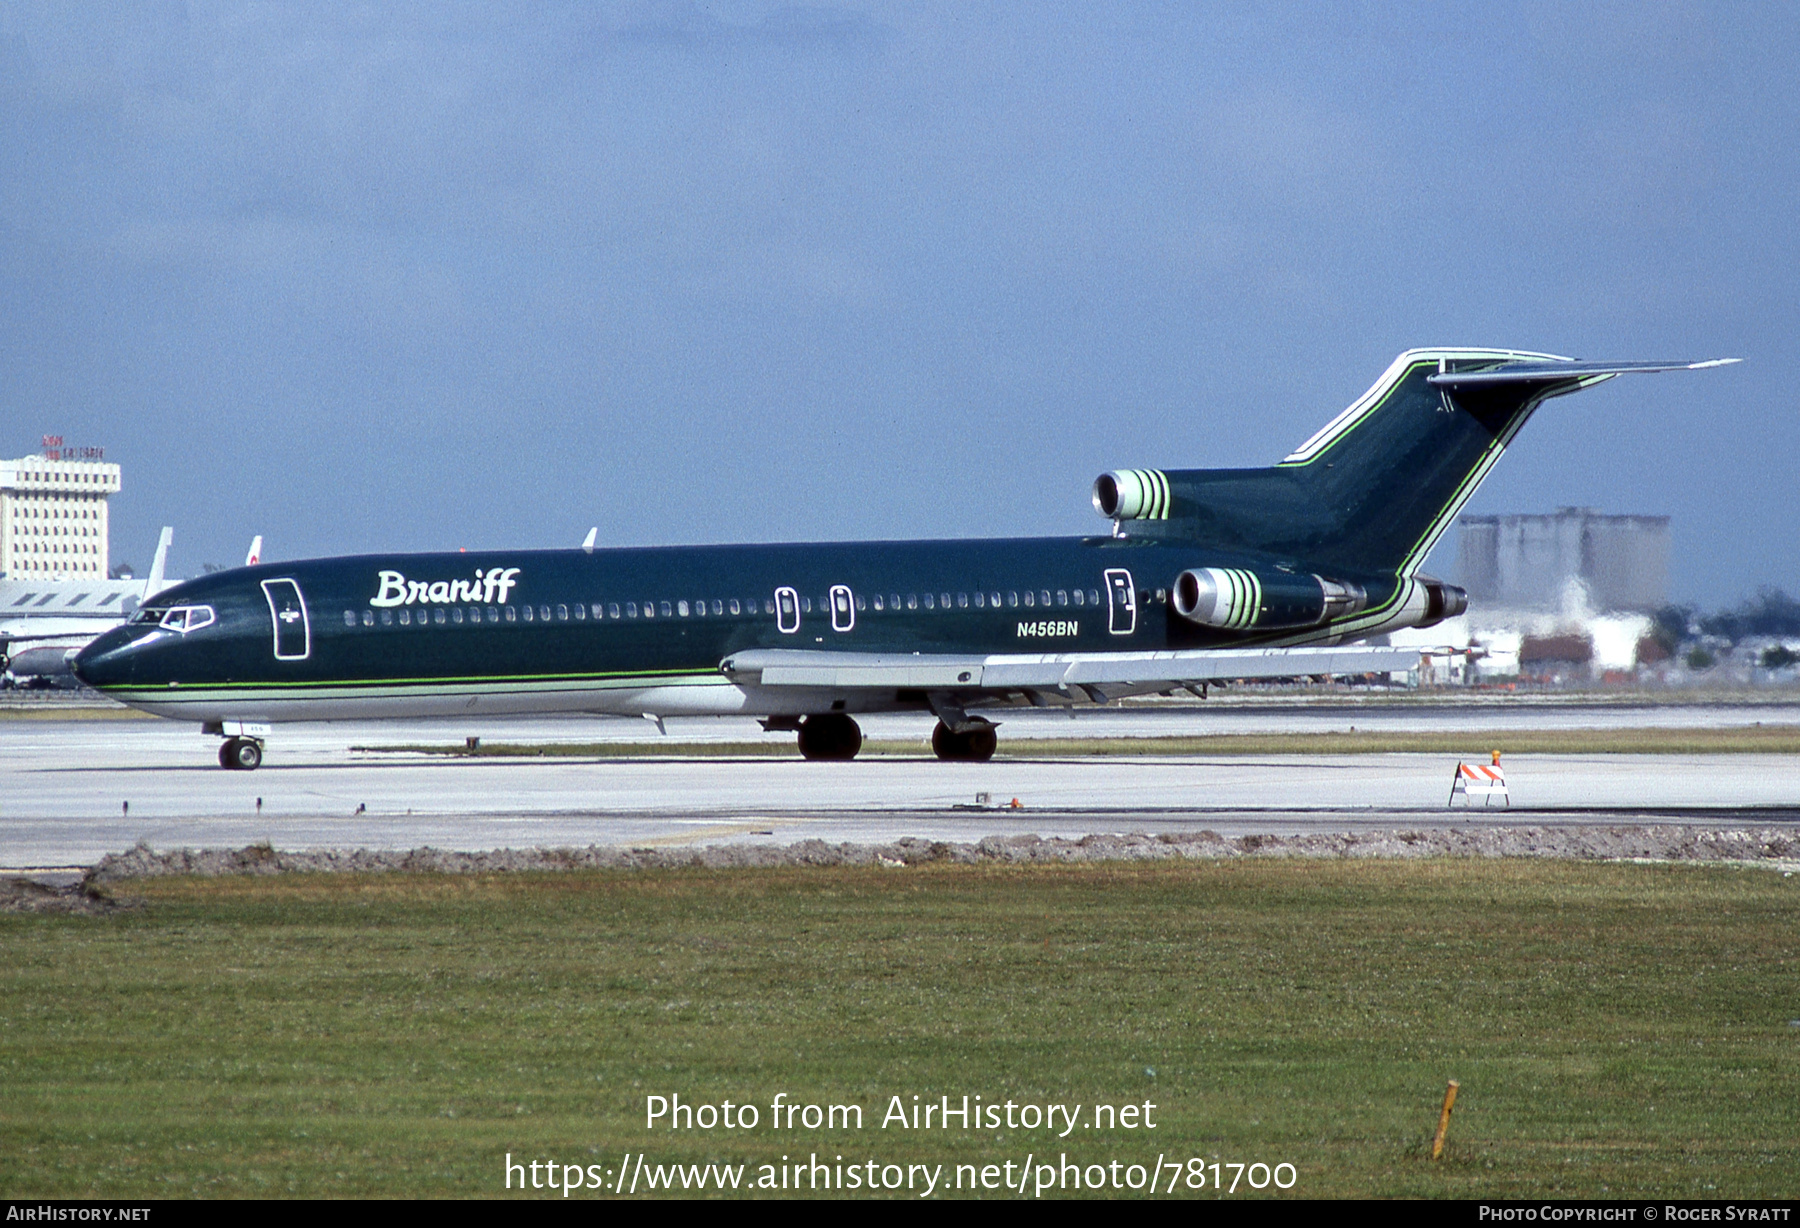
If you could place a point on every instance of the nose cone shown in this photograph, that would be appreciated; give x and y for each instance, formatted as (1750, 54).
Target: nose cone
(108, 660)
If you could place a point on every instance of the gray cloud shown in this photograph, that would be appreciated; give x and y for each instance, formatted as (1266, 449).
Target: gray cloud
(362, 277)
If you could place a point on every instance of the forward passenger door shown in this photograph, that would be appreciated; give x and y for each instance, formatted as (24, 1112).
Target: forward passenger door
(293, 631)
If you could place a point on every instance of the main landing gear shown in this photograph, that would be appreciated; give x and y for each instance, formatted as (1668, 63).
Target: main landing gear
(975, 744)
(241, 754)
(830, 735)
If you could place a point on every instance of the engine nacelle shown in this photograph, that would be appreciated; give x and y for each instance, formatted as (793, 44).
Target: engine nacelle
(1132, 494)
(1237, 599)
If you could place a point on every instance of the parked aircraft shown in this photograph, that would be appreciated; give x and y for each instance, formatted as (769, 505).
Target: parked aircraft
(44, 623)
(1206, 575)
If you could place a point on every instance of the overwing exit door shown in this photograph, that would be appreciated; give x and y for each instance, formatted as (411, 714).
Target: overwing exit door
(843, 608)
(293, 633)
(787, 611)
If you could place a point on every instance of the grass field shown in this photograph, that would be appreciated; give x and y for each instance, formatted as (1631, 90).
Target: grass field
(1752, 739)
(1617, 1030)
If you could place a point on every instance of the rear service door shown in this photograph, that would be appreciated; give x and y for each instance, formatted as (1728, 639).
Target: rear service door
(293, 633)
(1121, 600)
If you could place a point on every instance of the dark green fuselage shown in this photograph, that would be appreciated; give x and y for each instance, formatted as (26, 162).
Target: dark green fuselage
(593, 631)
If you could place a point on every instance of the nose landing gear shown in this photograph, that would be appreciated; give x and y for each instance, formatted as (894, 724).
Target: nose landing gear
(240, 754)
(242, 750)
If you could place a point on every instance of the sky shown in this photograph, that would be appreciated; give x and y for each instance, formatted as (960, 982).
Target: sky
(380, 277)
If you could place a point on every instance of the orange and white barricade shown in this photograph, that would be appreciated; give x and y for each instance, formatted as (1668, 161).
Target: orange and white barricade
(1486, 779)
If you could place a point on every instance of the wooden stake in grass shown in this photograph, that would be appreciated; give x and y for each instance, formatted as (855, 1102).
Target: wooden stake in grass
(1437, 1143)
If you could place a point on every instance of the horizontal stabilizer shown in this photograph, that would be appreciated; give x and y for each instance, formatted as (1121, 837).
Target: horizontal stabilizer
(784, 667)
(1540, 372)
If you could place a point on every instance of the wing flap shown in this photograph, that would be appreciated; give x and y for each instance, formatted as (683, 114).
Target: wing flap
(781, 667)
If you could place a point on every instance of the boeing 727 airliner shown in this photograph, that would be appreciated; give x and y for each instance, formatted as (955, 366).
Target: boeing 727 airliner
(1207, 574)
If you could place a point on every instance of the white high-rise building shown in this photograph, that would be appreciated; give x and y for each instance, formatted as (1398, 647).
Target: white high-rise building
(53, 518)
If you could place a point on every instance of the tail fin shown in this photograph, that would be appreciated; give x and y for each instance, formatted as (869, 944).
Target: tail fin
(1374, 490)
(155, 583)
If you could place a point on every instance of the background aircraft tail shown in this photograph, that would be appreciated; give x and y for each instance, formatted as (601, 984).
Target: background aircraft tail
(1374, 490)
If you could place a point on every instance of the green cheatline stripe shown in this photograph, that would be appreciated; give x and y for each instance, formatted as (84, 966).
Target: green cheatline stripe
(544, 682)
(1466, 489)
(1360, 418)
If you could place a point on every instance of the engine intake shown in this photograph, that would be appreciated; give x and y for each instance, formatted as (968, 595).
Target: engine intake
(1132, 494)
(1238, 599)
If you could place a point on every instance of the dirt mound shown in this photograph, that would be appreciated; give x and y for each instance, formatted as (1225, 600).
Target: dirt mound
(83, 898)
(1650, 843)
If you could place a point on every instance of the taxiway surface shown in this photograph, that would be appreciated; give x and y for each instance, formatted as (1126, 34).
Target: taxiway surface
(78, 789)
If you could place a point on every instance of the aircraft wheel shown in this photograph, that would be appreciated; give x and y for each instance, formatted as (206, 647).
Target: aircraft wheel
(228, 754)
(246, 754)
(981, 743)
(830, 736)
(972, 746)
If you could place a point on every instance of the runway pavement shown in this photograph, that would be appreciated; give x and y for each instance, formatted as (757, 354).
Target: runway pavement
(77, 789)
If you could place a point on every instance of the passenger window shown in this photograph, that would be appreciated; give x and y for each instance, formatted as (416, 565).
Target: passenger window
(930, 601)
(1062, 596)
(649, 609)
(599, 611)
(1029, 600)
(368, 618)
(878, 602)
(562, 613)
(806, 605)
(580, 613)
(528, 613)
(437, 616)
(1093, 596)
(387, 618)
(1043, 596)
(912, 601)
(768, 605)
(719, 606)
(1012, 599)
(1079, 595)
(662, 607)
(681, 608)
(512, 614)
(631, 609)
(612, 610)
(543, 613)
(980, 600)
(493, 614)
(405, 618)
(349, 618)
(456, 615)
(862, 602)
(734, 606)
(962, 601)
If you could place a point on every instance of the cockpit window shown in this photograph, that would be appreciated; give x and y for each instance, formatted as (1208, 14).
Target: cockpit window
(146, 614)
(185, 618)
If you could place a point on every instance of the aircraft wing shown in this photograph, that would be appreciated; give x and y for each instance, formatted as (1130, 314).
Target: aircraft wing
(1058, 672)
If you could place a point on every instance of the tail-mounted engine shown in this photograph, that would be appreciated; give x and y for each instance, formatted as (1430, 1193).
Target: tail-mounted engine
(1238, 599)
(1132, 494)
(1441, 601)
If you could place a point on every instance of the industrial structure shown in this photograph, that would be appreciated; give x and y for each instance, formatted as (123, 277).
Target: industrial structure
(1621, 563)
